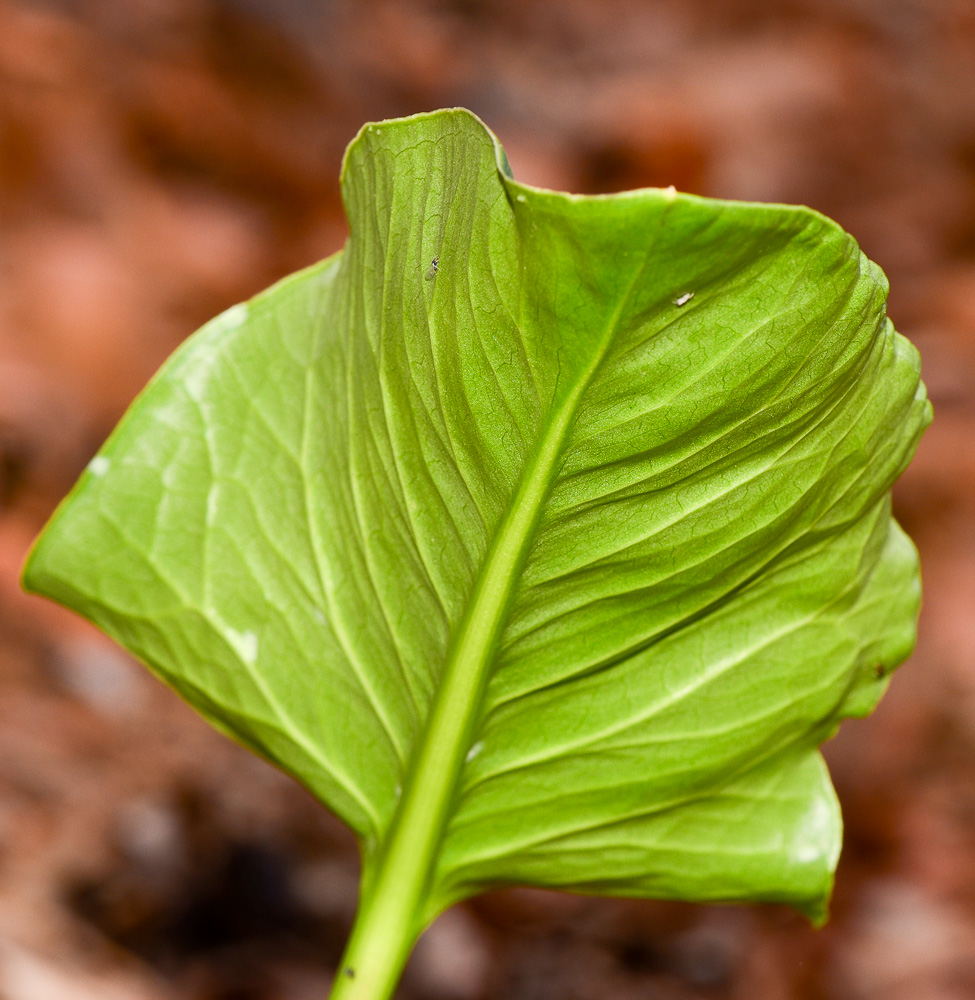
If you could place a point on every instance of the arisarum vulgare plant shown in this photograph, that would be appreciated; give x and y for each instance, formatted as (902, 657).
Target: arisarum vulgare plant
(544, 538)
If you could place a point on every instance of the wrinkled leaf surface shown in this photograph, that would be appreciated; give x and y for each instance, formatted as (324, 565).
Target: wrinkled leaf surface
(652, 434)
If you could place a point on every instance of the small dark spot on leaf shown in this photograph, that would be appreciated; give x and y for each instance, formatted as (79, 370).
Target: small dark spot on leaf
(350, 972)
(878, 670)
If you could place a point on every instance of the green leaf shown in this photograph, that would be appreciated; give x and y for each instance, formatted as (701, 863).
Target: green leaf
(551, 562)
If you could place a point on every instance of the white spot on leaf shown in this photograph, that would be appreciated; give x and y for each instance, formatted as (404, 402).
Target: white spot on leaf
(234, 317)
(670, 192)
(814, 839)
(474, 751)
(99, 465)
(244, 643)
(683, 299)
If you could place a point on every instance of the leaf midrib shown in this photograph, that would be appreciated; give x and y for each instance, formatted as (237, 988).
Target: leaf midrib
(403, 870)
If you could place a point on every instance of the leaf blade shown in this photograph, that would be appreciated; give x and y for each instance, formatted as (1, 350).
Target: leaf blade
(392, 513)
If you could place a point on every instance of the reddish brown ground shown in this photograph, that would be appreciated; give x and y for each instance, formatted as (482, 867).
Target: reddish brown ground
(162, 159)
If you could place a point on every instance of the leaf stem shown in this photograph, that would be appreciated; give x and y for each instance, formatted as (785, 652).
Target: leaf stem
(381, 941)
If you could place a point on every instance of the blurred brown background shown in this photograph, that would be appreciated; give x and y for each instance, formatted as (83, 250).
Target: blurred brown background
(162, 159)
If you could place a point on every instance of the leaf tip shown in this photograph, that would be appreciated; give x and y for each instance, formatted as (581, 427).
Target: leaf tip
(416, 123)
